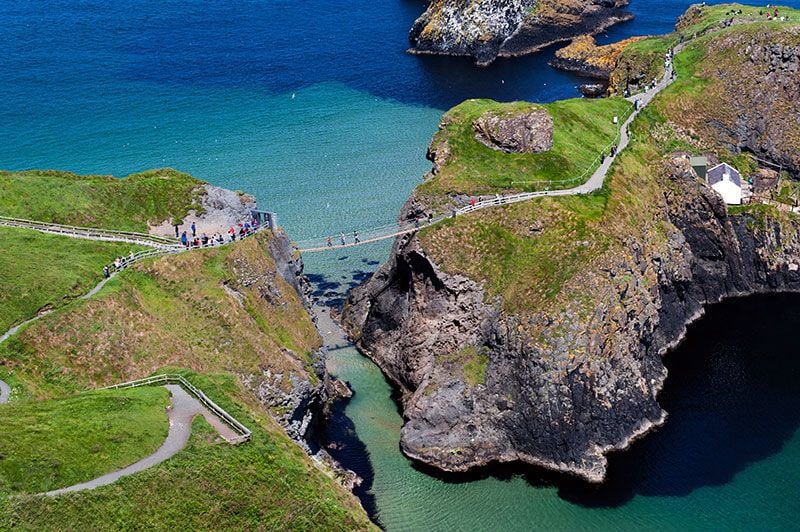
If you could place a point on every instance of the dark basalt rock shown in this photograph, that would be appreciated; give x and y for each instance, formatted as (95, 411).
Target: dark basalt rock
(565, 400)
(593, 90)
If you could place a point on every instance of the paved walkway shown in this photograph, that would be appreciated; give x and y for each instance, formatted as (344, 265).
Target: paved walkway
(184, 409)
(5, 392)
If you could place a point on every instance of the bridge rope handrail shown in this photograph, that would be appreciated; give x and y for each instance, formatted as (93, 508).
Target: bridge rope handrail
(402, 227)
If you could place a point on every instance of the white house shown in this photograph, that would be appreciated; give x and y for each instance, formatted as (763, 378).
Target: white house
(727, 181)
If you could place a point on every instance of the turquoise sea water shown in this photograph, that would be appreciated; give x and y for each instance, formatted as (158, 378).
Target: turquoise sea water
(316, 109)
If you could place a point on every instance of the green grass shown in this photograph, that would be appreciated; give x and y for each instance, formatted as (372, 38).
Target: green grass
(39, 271)
(170, 310)
(709, 17)
(57, 443)
(267, 484)
(100, 201)
(495, 246)
(582, 129)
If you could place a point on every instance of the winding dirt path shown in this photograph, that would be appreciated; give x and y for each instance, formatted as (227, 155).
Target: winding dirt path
(184, 409)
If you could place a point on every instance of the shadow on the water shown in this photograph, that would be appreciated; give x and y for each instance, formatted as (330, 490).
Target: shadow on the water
(733, 398)
(347, 449)
(332, 293)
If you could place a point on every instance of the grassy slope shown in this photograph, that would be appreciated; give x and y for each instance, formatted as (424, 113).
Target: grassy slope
(175, 311)
(582, 129)
(99, 201)
(534, 254)
(170, 311)
(53, 444)
(46, 271)
(267, 484)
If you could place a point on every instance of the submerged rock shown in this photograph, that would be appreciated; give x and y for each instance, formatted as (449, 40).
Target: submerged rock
(593, 90)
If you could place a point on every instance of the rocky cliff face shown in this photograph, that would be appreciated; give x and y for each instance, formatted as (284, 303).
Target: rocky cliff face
(561, 390)
(486, 29)
(584, 57)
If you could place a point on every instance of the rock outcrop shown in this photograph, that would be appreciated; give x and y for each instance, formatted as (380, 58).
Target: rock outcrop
(564, 399)
(486, 29)
(584, 57)
(527, 132)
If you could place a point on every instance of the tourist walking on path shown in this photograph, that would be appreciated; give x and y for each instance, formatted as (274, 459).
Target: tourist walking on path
(106, 272)
(341, 236)
(355, 237)
(185, 240)
(194, 230)
(177, 233)
(330, 241)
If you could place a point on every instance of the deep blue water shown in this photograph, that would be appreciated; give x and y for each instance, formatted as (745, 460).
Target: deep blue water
(315, 108)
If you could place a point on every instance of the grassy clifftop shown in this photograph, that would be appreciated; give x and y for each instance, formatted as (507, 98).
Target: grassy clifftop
(100, 201)
(225, 317)
(221, 309)
(57, 443)
(539, 254)
(268, 483)
(40, 271)
(581, 130)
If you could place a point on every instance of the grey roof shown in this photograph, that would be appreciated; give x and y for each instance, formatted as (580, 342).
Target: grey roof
(715, 174)
(698, 161)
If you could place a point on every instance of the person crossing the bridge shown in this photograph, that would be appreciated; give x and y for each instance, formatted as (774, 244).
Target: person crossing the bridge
(330, 241)
(341, 237)
(355, 237)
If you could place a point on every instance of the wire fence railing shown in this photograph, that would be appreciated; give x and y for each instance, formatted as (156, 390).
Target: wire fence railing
(113, 235)
(174, 378)
(593, 165)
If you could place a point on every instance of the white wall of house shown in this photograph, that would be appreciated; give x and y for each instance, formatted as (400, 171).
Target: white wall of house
(731, 192)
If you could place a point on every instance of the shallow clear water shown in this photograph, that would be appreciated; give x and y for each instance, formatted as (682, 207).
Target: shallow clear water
(316, 109)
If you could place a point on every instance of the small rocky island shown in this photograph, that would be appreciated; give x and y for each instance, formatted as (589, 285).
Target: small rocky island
(487, 29)
(535, 332)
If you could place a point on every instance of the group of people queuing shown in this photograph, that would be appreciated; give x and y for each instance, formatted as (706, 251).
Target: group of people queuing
(241, 230)
(771, 13)
(119, 264)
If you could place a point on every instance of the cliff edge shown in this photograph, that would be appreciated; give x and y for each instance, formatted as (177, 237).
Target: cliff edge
(535, 332)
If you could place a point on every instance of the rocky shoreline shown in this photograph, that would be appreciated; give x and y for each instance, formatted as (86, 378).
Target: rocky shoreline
(489, 29)
(410, 314)
(561, 384)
